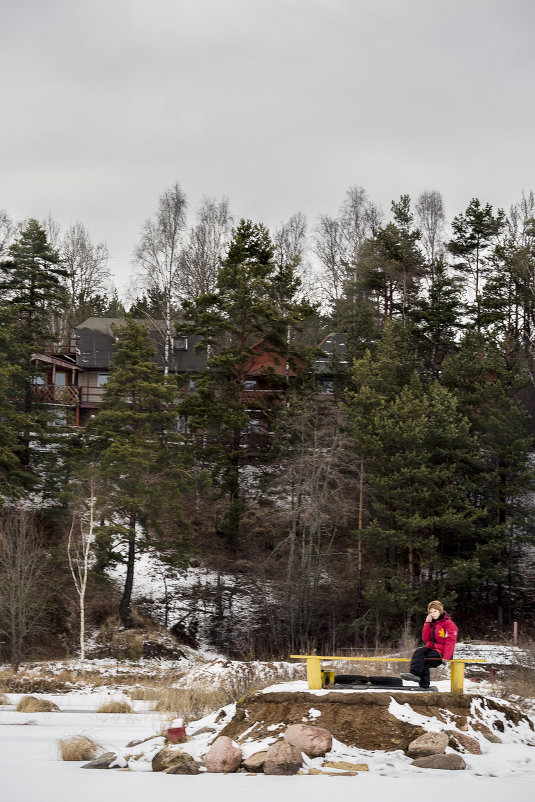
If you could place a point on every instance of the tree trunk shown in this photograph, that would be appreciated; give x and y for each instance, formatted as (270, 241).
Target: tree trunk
(126, 599)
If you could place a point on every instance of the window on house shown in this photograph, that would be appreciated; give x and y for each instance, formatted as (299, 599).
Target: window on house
(250, 384)
(182, 424)
(192, 385)
(180, 343)
(60, 417)
(38, 380)
(102, 379)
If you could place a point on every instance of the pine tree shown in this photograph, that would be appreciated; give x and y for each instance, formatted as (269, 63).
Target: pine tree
(133, 439)
(475, 233)
(254, 305)
(32, 282)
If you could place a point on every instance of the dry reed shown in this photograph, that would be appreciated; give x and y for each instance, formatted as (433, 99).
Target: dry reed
(115, 707)
(79, 748)
(31, 704)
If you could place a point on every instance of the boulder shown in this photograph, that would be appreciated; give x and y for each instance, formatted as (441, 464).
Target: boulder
(451, 762)
(186, 765)
(168, 758)
(255, 762)
(430, 743)
(102, 762)
(223, 756)
(282, 758)
(313, 741)
(464, 743)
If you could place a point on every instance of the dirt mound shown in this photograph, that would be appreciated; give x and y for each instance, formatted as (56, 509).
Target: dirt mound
(358, 719)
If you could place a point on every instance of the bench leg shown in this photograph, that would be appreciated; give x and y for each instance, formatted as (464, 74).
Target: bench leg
(457, 676)
(314, 673)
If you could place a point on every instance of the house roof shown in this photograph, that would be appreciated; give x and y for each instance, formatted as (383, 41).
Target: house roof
(95, 344)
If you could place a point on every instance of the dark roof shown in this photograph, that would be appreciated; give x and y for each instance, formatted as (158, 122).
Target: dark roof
(95, 344)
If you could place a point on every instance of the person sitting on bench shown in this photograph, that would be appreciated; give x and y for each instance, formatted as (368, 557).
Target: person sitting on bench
(440, 634)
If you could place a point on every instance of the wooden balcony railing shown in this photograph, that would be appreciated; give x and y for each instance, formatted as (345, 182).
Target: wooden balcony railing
(56, 394)
(91, 395)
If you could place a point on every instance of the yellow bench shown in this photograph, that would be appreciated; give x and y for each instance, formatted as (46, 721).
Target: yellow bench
(316, 676)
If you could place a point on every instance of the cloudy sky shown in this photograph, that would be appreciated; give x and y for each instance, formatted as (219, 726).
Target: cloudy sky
(280, 105)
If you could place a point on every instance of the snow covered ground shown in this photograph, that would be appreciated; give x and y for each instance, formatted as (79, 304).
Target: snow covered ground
(31, 767)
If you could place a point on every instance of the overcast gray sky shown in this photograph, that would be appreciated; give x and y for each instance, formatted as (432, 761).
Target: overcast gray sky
(279, 104)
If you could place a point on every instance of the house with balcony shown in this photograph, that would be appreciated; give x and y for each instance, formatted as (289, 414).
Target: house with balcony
(95, 345)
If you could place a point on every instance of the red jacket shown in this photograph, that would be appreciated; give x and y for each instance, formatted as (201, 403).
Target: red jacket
(441, 635)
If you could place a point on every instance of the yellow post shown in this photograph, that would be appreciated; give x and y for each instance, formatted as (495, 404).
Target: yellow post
(457, 676)
(314, 673)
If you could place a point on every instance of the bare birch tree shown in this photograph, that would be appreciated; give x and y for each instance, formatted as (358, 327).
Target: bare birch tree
(339, 239)
(158, 256)
(431, 219)
(22, 574)
(79, 542)
(204, 248)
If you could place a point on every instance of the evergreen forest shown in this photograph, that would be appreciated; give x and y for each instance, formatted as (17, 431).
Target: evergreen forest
(401, 472)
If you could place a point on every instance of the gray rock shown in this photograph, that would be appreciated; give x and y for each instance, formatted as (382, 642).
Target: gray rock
(430, 743)
(102, 762)
(313, 741)
(282, 758)
(203, 730)
(255, 762)
(223, 756)
(492, 738)
(451, 762)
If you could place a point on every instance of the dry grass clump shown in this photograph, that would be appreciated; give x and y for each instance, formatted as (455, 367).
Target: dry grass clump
(193, 703)
(31, 704)
(518, 681)
(115, 707)
(3, 699)
(79, 747)
(145, 694)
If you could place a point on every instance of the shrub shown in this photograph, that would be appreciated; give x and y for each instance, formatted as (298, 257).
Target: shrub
(115, 707)
(3, 699)
(79, 747)
(31, 704)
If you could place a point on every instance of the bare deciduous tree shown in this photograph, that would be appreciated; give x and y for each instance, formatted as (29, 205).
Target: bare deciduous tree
(158, 256)
(339, 239)
(87, 264)
(204, 247)
(79, 542)
(22, 574)
(431, 219)
(316, 486)
(7, 233)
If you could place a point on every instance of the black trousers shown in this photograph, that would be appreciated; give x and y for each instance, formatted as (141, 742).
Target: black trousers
(420, 665)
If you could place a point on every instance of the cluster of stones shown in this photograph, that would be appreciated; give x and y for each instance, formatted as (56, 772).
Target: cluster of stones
(285, 756)
(429, 750)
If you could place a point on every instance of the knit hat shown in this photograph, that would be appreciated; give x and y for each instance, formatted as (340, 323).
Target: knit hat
(437, 605)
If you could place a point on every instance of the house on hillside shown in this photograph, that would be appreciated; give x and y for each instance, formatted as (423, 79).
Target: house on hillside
(71, 378)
